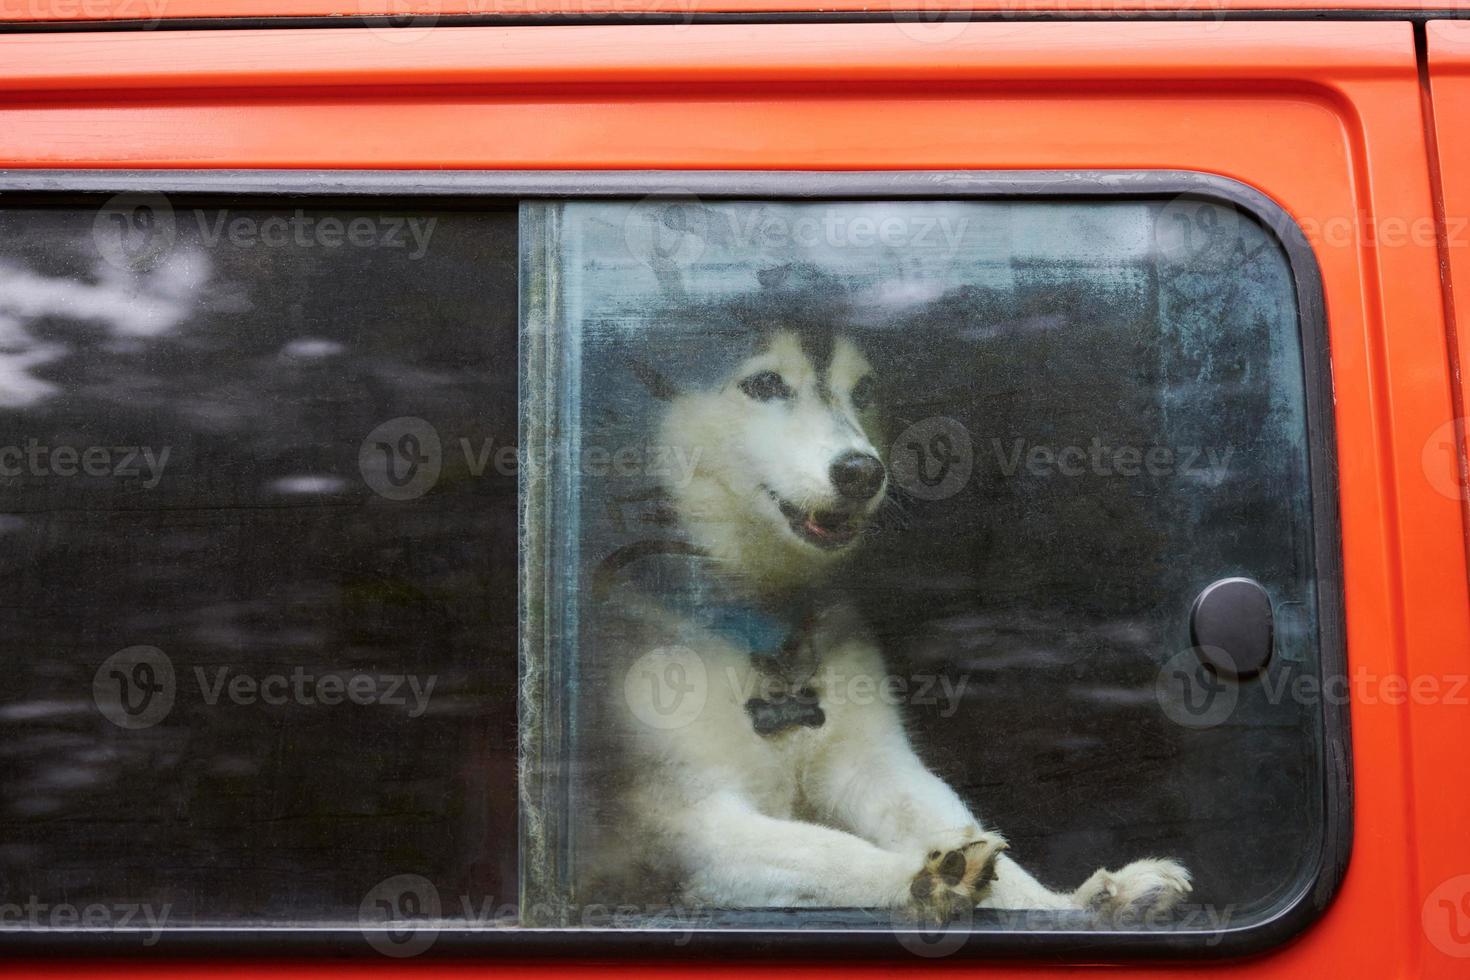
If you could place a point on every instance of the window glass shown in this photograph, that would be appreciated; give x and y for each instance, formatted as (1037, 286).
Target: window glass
(259, 583)
(875, 528)
(658, 567)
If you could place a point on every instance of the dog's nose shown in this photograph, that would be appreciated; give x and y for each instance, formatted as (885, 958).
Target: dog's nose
(857, 475)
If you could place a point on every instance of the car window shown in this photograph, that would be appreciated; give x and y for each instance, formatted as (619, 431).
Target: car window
(433, 572)
(259, 583)
(1086, 438)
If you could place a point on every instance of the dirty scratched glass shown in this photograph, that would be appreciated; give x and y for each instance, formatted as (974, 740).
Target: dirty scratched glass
(654, 564)
(1002, 445)
(259, 587)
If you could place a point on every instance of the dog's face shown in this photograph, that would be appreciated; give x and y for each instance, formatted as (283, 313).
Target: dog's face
(788, 472)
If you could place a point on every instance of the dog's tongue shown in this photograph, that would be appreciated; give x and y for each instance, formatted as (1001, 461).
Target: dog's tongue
(824, 524)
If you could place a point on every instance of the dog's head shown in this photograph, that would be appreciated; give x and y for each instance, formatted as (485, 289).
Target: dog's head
(787, 472)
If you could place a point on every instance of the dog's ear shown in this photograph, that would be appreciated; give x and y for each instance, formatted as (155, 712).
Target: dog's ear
(653, 379)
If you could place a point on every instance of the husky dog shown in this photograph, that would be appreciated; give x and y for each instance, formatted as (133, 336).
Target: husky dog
(769, 789)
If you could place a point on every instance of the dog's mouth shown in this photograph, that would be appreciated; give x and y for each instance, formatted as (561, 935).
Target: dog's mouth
(827, 528)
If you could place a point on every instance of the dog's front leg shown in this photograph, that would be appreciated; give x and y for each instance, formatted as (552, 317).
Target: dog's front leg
(734, 855)
(867, 776)
(874, 783)
(871, 781)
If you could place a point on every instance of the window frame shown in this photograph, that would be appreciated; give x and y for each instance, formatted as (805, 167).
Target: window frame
(484, 189)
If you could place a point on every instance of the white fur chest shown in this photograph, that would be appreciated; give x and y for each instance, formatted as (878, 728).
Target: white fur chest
(716, 749)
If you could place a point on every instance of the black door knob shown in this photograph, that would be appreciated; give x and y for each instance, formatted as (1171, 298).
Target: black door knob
(1232, 627)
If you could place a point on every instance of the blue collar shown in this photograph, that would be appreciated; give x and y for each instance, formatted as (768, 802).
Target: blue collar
(684, 581)
(750, 628)
(689, 585)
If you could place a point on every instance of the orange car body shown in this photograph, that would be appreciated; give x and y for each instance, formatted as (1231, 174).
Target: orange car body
(1354, 126)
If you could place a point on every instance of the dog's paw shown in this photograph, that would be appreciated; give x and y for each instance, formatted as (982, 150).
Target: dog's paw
(952, 881)
(1138, 893)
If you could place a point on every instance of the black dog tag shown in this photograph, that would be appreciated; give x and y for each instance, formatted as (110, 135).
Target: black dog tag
(775, 715)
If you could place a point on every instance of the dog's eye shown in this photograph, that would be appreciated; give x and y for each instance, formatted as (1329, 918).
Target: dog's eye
(864, 393)
(765, 385)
